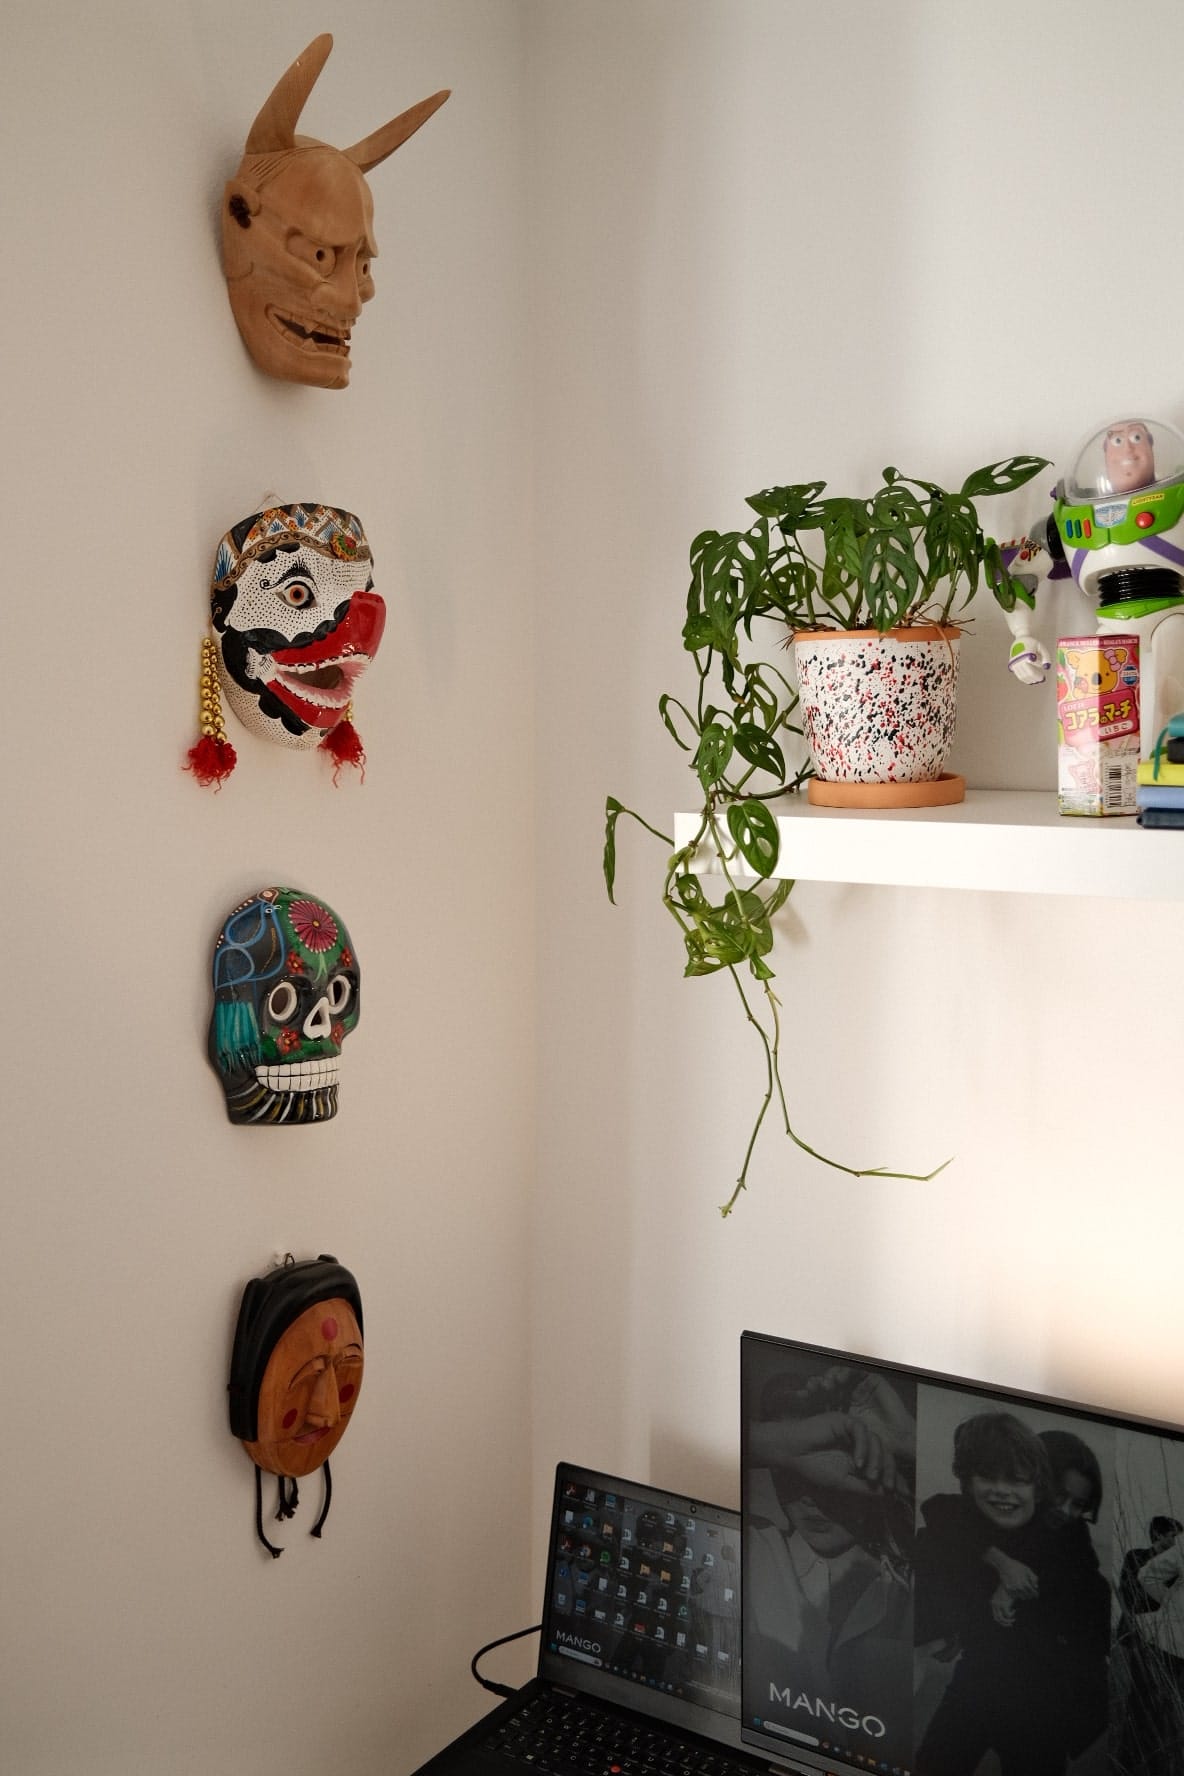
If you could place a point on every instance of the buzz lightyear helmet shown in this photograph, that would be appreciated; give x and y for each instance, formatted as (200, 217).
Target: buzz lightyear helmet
(1119, 512)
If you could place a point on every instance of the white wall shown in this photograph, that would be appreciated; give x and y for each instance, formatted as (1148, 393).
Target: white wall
(143, 1628)
(650, 257)
(784, 241)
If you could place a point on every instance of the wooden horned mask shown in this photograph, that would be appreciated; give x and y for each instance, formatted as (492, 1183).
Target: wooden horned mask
(298, 232)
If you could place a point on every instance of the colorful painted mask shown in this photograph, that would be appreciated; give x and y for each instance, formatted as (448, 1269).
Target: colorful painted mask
(296, 619)
(295, 1375)
(298, 232)
(286, 996)
(296, 622)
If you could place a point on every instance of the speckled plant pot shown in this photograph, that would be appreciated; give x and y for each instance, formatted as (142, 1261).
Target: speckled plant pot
(878, 709)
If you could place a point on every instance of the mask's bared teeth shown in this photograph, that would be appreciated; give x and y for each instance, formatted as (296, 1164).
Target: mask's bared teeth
(313, 337)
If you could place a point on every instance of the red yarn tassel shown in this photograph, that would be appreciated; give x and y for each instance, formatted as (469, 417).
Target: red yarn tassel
(211, 761)
(344, 746)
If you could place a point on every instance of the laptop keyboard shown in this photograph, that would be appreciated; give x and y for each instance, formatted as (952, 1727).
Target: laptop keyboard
(565, 1736)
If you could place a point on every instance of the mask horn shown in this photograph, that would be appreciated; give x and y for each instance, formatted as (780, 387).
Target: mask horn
(275, 127)
(384, 141)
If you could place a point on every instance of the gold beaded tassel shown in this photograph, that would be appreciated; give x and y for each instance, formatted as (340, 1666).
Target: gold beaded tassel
(213, 758)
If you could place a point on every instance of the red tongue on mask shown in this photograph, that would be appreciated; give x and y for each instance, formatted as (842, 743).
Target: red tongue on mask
(359, 633)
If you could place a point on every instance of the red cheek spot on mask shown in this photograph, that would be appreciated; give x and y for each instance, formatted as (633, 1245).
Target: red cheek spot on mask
(329, 1328)
(346, 1393)
(289, 1419)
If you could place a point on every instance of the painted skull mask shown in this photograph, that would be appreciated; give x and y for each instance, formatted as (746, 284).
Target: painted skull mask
(286, 996)
(298, 232)
(296, 619)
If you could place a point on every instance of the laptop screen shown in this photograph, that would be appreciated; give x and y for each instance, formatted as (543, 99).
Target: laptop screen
(643, 1601)
(942, 1576)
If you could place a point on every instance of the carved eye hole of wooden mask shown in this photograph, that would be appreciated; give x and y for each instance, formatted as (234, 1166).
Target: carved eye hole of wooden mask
(296, 1374)
(298, 232)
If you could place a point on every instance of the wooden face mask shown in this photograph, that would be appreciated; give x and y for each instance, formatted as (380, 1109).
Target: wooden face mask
(298, 232)
(295, 1375)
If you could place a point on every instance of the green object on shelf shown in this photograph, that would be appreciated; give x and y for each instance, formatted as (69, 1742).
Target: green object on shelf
(912, 553)
(1172, 730)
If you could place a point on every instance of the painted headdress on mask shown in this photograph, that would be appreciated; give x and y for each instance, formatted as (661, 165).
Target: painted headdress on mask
(287, 994)
(295, 1376)
(298, 232)
(295, 622)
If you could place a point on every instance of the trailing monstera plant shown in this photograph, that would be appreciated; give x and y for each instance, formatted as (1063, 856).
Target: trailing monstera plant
(911, 553)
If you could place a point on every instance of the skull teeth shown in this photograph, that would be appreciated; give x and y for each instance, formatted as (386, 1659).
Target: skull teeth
(300, 1076)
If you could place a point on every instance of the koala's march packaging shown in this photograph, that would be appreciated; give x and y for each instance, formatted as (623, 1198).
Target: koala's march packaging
(1097, 723)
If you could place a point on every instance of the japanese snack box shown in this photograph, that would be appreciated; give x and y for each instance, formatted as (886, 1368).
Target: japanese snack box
(1097, 723)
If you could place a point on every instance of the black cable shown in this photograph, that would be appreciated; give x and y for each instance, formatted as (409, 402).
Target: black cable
(487, 1683)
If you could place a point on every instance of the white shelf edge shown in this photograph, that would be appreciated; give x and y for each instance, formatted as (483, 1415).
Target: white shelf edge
(1009, 841)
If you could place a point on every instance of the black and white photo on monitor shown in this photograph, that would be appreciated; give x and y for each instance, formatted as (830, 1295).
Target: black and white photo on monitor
(947, 1579)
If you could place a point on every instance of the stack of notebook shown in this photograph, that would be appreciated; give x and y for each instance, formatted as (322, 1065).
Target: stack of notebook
(1160, 792)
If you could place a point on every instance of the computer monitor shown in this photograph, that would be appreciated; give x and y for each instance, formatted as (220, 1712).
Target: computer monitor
(946, 1578)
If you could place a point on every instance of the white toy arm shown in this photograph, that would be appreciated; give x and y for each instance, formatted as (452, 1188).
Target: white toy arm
(1029, 659)
(1028, 561)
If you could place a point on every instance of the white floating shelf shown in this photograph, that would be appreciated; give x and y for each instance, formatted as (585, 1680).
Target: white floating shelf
(1010, 840)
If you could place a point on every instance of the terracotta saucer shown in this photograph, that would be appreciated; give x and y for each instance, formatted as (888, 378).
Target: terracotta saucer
(937, 792)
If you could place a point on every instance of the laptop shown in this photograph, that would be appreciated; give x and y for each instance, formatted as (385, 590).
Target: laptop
(639, 1654)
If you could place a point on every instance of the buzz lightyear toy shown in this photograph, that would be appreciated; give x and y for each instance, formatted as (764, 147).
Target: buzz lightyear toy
(1118, 527)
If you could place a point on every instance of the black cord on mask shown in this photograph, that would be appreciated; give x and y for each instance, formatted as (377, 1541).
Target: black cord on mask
(487, 1683)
